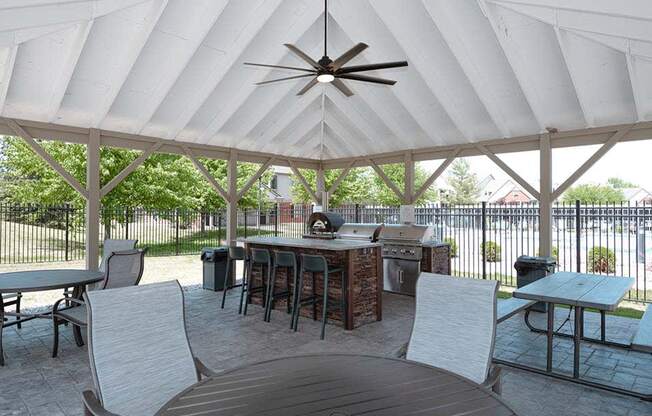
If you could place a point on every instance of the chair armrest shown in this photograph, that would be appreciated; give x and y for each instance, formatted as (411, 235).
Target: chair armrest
(55, 308)
(93, 406)
(493, 380)
(402, 351)
(202, 369)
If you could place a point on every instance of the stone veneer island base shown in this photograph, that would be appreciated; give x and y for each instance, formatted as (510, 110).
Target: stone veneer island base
(363, 281)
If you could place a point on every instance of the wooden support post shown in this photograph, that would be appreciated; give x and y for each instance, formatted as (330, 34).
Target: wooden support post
(93, 200)
(321, 189)
(232, 200)
(545, 196)
(408, 192)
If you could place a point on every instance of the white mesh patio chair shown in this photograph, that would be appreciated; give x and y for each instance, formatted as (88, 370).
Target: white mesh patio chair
(123, 268)
(455, 327)
(140, 357)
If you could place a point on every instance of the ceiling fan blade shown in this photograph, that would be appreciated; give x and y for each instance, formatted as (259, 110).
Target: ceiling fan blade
(294, 68)
(342, 87)
(348, 55)
(284, 79)
(309, 85)
(371, 67)
(366, 78)
(303, 56)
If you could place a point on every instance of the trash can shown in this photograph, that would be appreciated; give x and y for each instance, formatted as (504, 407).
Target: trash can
(530, 269)
(214, 266)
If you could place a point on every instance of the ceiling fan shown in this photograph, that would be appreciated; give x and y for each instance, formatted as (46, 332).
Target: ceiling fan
(328, 71)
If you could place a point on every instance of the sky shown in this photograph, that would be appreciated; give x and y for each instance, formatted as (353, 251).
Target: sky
(631, 161)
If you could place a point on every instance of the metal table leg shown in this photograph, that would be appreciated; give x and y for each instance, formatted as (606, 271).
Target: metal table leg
(602, 325)
(577, 338)
(550, 334)
(2, 320)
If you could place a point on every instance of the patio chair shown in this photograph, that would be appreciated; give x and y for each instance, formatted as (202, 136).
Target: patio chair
(455, 327)
(110, 246)
(123, 268)
(10, 299)
(138, 347)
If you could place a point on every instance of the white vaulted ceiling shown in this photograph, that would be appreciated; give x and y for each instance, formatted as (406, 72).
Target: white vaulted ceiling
(478, 70)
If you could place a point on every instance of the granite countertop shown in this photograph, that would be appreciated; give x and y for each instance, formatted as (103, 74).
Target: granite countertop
(334, 245)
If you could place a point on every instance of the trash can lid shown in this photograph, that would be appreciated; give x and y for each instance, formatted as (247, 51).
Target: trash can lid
(214, 249)
(538, 260)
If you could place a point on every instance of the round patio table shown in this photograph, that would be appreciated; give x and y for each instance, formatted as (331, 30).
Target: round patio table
(336, 385)
(41, 280)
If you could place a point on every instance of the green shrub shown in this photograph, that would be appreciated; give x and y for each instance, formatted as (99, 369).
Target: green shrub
(492, 251)
(602, 260)
(453, 244)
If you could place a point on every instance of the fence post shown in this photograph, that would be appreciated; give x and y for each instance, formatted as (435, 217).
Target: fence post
(578, 239)
(357, 213)
(126, 223)
(176, 233)
(276, 214)
(484, 239)
(245, 222)
(67, 208)
(219, 228)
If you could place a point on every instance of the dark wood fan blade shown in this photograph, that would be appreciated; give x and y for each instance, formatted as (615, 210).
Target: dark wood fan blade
(294, 68)
(342, 87)
(365, 78)
(348, 55)
(371, 67)
(303, 56)
(309, 85)
(284, 79)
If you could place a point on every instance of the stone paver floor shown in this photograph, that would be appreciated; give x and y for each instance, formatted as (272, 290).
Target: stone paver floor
(33, 383)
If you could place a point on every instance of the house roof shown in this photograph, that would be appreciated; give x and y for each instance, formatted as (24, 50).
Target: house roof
(632, 193)
(505, 189)
(478, 70)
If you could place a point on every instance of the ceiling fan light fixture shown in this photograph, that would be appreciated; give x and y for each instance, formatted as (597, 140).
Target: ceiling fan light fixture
(325, 78)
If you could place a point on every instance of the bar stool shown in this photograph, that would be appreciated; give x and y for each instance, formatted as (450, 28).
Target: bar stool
(287, 260)
(259, 257)
(317, 264)
(234, 254)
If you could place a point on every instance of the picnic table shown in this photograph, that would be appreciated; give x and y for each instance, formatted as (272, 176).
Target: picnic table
(579, 291)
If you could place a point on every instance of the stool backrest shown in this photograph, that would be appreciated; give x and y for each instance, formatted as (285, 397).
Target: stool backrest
(285, 259)
(454, 324)
(260, 256)
(313, 263)
(237, 253)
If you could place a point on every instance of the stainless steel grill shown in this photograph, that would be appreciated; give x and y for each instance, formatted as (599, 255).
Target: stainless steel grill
(353, 231)
(402, 253)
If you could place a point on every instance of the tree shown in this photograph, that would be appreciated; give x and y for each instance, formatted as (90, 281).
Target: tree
(163, 181)
(618, 183)
(593, 194)
(463, 184)
(355, 187)
(362, 185)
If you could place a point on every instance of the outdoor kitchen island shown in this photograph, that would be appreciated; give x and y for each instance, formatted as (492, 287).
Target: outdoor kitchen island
(363, 284)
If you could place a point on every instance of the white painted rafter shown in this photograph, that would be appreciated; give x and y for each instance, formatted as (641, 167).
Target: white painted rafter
(123, 68)
(522, 78)
(574, 74)
(250, 32)
(6, 70)
(634, 82)
(166, 83)
(70, 62)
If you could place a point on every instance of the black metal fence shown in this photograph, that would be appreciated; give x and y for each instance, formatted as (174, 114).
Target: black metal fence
(606, 239)
(34, 234)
